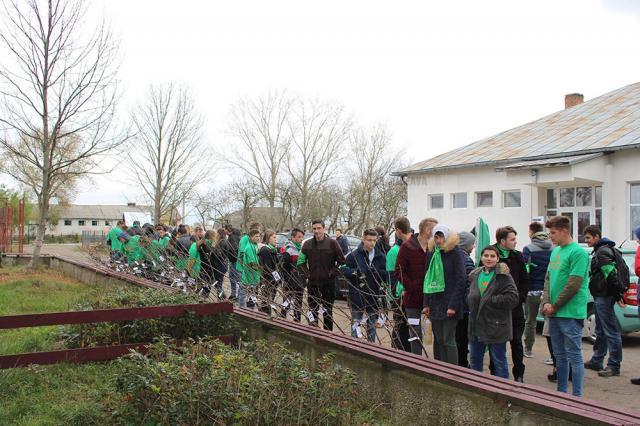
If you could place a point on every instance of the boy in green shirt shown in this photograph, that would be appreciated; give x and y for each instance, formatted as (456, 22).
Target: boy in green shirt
(565, 302)
(251, 267)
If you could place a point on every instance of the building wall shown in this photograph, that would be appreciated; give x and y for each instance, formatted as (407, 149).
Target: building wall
(75, 228)
(614, 172)
(471, 180)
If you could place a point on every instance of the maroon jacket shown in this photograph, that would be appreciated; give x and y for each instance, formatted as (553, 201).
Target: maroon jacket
(411, 267)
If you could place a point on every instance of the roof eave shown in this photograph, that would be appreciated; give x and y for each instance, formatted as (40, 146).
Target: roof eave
(512, 160)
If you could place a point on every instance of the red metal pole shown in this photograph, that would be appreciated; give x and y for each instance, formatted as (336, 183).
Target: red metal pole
(4, 213)
(21, 226)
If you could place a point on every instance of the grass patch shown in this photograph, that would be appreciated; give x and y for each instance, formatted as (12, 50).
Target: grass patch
(23, 291)
(55, 394)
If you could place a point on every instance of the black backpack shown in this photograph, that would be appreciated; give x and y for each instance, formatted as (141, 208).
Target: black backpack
(623, 282)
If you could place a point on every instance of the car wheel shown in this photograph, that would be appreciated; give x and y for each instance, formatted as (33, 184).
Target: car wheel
(591, 324)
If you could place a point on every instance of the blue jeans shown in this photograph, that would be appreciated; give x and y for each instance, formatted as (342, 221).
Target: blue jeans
(371, 324)
(566, 339)
(234, 279)
(608, 334)
(497, 353)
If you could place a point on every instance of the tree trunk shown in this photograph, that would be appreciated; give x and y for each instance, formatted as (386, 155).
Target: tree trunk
(41, 229)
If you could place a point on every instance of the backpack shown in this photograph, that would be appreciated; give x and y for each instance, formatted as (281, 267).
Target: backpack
(623, 282)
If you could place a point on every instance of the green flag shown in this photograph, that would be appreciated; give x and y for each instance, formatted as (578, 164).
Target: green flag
(483, 239)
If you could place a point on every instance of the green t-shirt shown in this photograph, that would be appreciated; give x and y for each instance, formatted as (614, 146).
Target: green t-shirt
(250, 271)
(392, 257)
(570, 260)
(242, 246)
(484, 278)
(114, 241)
(194, 260)
(133, 250)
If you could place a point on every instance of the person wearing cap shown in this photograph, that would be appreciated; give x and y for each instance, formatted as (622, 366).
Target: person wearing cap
(467, 244)
(444, 286)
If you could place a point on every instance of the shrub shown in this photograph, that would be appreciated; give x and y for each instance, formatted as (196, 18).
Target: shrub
(184, 327)
(210, 383)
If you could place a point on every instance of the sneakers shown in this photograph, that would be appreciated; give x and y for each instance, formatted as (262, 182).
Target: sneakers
(548, 361)
(528, 354)
(519, 379)
(635, 381)
(607, 372)
(590, 365)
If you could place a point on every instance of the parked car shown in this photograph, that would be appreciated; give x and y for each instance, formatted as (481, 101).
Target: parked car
(628, 317)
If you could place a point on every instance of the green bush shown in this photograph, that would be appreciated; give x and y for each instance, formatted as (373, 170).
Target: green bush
(148, 330)
(210, 383)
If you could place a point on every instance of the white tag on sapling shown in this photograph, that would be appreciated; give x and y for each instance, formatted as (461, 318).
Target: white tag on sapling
(414, 321)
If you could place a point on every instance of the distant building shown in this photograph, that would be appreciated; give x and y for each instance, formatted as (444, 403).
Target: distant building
(73, 219)
(582, 162)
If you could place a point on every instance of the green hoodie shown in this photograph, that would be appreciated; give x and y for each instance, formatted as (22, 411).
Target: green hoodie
(251, 269)
(194, 261)
(133, 250)
(114, 241)
(242, 246)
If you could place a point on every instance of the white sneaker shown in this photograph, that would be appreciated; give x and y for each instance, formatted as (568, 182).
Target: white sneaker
(528, 354)
(548, 361)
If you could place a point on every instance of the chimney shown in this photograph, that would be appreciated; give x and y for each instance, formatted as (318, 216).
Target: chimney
(573, 99)
(131, 204)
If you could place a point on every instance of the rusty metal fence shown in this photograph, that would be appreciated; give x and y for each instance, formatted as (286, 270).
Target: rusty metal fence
(10, 222)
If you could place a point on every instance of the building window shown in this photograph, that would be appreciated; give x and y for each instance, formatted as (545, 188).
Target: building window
(634, 205)
(81, 223)
(484, 199)
(107, 223)
(67, 222)
(436, 201)
(511, 199)
(94, 223)
(598, 199)
(567, 197)
(552, 196)
(459, 200)
(583, 196)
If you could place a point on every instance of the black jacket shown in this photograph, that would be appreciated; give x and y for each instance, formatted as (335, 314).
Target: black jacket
(231, 248)
(599, 286)
(490, 314)
(518, 271)
(455, 280)
(366, 279)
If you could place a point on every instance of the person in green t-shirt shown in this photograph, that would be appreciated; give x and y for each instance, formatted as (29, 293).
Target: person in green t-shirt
(115, 245)
(492, 297)
(243, 243)
(566, 290)
(250, 269)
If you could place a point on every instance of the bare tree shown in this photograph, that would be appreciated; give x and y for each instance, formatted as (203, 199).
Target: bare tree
(168, 141)
(319, 130)
(260, 127)
(59, 91)
(373, 162)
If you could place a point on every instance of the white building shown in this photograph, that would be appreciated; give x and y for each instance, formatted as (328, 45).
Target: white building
(75, 218)
(582, 162)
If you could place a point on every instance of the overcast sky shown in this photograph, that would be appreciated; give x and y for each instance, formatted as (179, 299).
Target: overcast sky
(440, 74)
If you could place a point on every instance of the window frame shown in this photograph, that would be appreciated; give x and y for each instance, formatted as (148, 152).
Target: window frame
(453, 200)
(430, 201)
(477, 193)
(504, 199)
(82, 222)
(66, 222)
(631, 205)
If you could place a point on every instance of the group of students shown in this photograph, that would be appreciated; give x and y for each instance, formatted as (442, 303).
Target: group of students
(473, 309)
